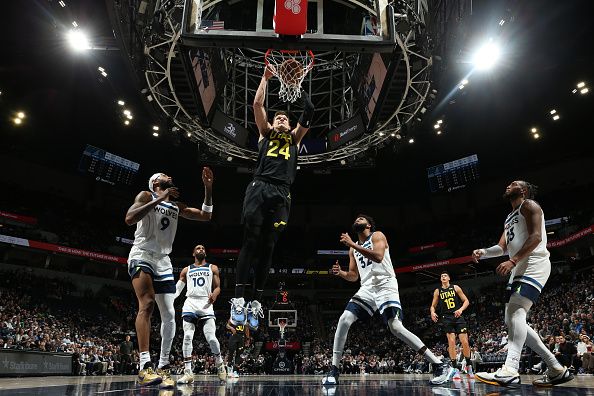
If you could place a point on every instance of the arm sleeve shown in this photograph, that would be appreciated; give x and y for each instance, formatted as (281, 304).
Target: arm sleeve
(308, 111)
(179, 287)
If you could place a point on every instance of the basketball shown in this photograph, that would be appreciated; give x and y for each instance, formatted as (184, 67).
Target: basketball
(291, 72)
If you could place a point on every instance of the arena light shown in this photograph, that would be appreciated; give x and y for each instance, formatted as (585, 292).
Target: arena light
(17, 121)
(533, 130)
(464, 82)
(439, 132)
(129, 116)
(556, 117)
(121, 102)
(127, 112)
(78, 40)
(189, 134)
(584, 91)
(536, 136)
(501, 22)
(581, 84)
(393, 134)
(155, 128)
(62, 4)
(381, 134)
(229, 158)
(21, 115)
(552, 111)
(126, 122)
(342, 162)
(487, 56)
(411, 140)
(156, 134)
(74, 24)
(436, 126)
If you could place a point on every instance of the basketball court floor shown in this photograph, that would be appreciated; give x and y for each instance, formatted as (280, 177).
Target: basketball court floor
(397, 384)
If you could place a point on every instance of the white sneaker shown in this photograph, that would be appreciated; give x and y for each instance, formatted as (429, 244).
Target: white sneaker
(254, 313)
(238, 311)
(222, 371)
(554, 377)
(537, 367)
(187, 378)
(443, 373)
(504, 377)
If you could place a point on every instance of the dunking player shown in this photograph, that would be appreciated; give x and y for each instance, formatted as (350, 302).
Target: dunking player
(452, 303)
(204, 287)
(155, 214)
(369, 259)
(267, 201)
(524, 239)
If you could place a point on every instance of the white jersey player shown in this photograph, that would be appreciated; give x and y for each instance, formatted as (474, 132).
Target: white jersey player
(204, 286)
(156, 215)
(369, 260)
(524, 239)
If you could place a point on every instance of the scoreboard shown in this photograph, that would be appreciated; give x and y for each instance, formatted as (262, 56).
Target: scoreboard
(107, 167)
(453, 175)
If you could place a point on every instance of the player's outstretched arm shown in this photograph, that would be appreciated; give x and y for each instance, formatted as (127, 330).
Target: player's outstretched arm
(305, 120)
(204, 214)
(494, 251)
(259, 109)
(181, 283)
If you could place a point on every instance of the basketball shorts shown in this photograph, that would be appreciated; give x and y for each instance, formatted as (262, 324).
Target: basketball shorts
(196, 309)
(451, 324)
(158, 266)
(383, 298)
(528, 278)
(266, 203)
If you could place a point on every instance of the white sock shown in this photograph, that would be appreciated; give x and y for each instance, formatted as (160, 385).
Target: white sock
(515, 318)
(187, 346)
(342, 330)
(145, 357)
(398, 329)
(209, 330)
(188, 365)
(165, 304)
(535, 343)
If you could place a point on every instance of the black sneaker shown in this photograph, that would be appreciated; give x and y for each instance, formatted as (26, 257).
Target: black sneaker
(331, 378)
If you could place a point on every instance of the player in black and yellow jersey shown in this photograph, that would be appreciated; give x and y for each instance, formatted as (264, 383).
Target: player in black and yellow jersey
(267, 201)
(452, 302)
(240, 333)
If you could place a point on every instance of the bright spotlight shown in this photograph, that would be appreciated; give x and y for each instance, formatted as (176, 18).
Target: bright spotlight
(556, 117)
(20, 114)
(464, 82)
(439, 121)
(381, 134)
(436, 126)
(17, 121)
(155, 128)
(439, 132)
(584, 91)
(411, 140)
(486, 57)
(533, 130)
(553, 111)
(126, 112)
(121, 102)
(536, 136)
(581, 84)
(189, 134)
(126, 122)
(78, 40)
(156, 134)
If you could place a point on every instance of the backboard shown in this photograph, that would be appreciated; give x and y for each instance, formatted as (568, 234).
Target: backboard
(348, 25)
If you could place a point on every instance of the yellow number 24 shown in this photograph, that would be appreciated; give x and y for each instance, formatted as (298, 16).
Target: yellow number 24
(274, 147)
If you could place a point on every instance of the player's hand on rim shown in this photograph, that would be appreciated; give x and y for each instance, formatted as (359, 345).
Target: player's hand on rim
(505, 268)
(269, 71)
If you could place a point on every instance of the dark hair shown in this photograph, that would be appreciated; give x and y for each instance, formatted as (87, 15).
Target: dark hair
(444, 272)
(280, 112)
(531, 189)
(369, 220)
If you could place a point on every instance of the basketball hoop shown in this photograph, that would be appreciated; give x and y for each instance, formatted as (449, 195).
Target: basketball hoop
(290, 67)
(282, 324)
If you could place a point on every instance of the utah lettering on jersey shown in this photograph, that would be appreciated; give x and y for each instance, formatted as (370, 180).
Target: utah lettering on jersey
(287, 137)
(447, 294)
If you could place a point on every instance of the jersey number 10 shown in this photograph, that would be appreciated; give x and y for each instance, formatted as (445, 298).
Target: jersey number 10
(198, 281)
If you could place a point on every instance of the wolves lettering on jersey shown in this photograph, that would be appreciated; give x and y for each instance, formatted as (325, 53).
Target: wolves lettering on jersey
(155, 232)
(370, 272)
(199, 281)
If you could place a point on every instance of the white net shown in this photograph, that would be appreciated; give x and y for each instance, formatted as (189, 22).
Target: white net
(290, 67)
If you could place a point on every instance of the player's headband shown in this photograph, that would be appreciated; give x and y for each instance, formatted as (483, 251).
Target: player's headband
(152, 180)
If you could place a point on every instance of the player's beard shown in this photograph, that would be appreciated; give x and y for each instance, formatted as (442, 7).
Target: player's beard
(200, 256)
(358, 228)
(511, 195)
(165, 184)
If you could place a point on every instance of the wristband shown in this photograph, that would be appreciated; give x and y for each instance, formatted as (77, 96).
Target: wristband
(513, 261)
(207, 208)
